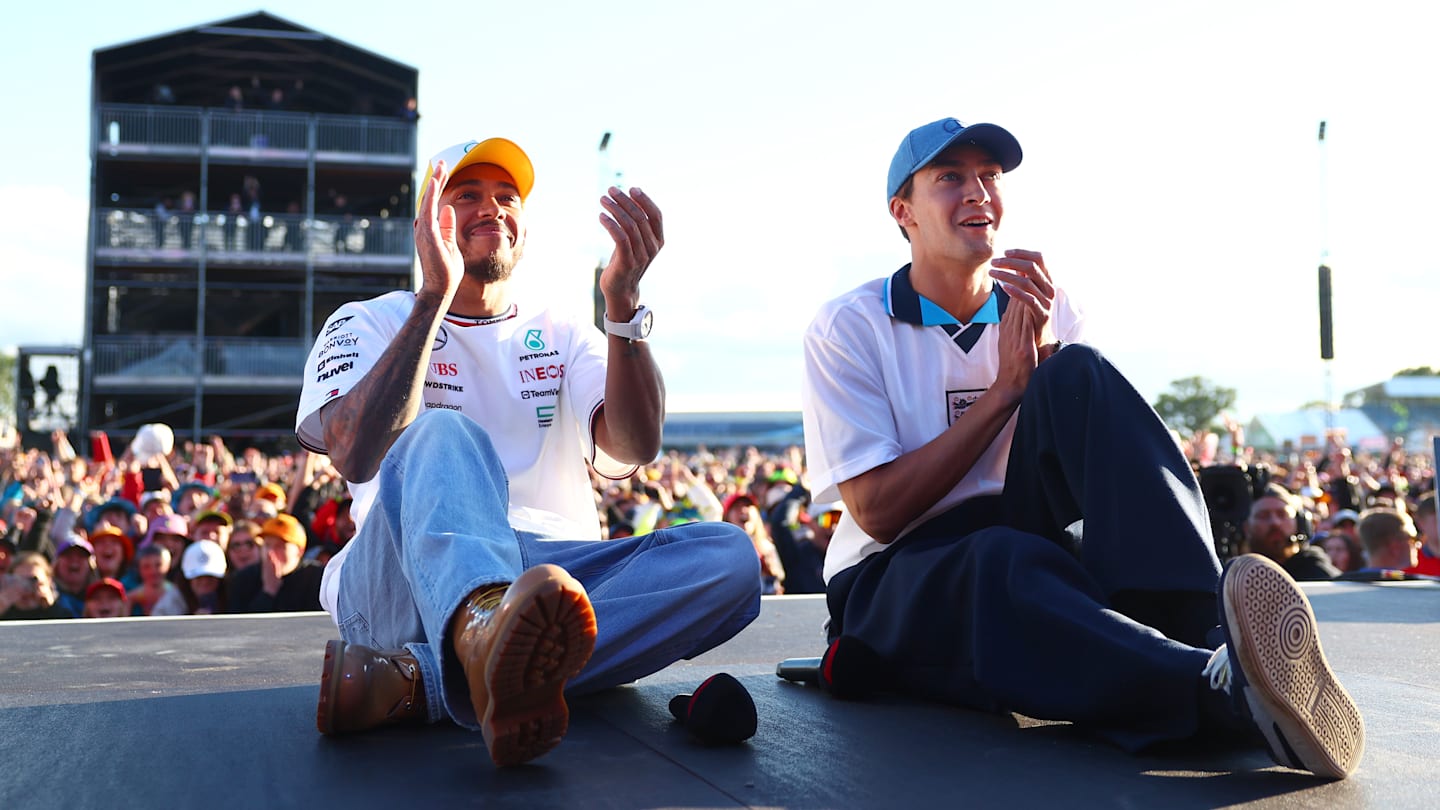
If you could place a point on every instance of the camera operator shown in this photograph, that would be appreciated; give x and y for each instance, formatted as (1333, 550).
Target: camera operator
(1273, 529)
(28, 592)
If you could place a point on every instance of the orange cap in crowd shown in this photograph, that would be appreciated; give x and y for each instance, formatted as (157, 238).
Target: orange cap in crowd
(285, 527)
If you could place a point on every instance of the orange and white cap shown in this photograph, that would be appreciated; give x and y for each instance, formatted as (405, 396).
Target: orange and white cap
(498, 151)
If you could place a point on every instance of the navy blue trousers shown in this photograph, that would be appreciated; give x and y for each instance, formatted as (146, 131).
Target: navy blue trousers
(1084, 592)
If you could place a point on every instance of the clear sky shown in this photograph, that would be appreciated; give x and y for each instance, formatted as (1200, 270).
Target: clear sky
(1172, 174)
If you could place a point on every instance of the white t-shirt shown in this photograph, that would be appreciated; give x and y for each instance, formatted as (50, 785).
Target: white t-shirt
(878, 385)
(532, 378)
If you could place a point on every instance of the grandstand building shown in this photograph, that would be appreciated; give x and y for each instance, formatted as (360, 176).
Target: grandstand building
(249, 176)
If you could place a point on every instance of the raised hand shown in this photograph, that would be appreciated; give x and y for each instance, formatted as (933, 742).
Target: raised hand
(635, 225)
(1024, 276)
(441, 265)
(1019, 354)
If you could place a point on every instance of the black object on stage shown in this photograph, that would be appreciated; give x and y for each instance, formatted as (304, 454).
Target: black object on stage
(849, 670)
(719, 711)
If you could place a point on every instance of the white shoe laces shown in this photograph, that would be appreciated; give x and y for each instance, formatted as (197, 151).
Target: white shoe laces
(1217, 669)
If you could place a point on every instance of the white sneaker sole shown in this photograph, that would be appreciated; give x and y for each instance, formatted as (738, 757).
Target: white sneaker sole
(1307, 718)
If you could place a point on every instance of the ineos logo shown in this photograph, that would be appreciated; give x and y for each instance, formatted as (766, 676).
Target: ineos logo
(550, 372)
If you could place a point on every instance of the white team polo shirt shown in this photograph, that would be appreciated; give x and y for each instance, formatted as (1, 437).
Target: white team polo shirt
(533, 379)
(887, 371)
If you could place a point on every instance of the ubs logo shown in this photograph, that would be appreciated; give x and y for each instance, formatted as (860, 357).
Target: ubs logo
(445, 369)
(533, 342)
(441, 338)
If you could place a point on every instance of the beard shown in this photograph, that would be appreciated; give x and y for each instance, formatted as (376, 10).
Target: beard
(1271, 541)
(495, 266)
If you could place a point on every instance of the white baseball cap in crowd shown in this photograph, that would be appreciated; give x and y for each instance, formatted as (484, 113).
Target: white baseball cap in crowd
(203, 558)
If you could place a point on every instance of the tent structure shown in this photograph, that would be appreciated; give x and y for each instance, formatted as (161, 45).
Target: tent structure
(1306, 430)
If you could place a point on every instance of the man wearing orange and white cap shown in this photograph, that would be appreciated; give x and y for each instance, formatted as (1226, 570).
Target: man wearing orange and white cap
(281, 581)
(462, 415)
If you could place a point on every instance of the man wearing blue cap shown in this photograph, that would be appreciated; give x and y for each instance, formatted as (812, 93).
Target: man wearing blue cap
(1021, 531)
(462, 415)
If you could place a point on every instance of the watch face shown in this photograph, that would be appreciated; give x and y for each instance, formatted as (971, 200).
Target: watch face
(646, 323)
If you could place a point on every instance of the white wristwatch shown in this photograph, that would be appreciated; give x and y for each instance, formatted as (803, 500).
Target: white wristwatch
(637, 328)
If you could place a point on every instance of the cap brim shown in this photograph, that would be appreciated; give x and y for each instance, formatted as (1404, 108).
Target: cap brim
(496, 151)
(223, 517)
(294, 541)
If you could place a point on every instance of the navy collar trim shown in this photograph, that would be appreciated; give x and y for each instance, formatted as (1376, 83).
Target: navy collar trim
(903, 303)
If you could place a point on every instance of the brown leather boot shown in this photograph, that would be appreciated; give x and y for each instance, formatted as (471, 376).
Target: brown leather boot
(361, 688)
(517, 652)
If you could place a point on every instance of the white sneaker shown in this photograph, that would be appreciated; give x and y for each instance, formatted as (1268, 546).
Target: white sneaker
(1283, 682)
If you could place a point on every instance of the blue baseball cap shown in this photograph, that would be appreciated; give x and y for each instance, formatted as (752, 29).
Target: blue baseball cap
(924, 143)
(114, 504)
(185, 489)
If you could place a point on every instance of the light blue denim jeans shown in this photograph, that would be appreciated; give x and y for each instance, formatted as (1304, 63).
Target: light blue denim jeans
(424, 547)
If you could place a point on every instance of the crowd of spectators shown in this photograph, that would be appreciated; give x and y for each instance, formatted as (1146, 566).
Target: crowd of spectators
(164, 529)
(179, 528)
(1333, 513)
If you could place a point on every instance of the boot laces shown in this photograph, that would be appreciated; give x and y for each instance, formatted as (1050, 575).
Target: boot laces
(1217, 669)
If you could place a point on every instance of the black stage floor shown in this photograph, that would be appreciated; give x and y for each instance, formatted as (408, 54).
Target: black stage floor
(218, 712)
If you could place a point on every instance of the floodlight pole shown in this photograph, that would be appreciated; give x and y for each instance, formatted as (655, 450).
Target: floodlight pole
(1327, 324)
(603, 180)
(607, 177)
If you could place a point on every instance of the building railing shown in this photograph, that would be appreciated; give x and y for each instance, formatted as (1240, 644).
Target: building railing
(183, 233)
(154, 358)
(156, 126)
(260, 130)
(376, 136)
(149, 128)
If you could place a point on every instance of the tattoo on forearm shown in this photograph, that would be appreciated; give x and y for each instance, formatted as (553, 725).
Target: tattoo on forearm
(385, 402)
